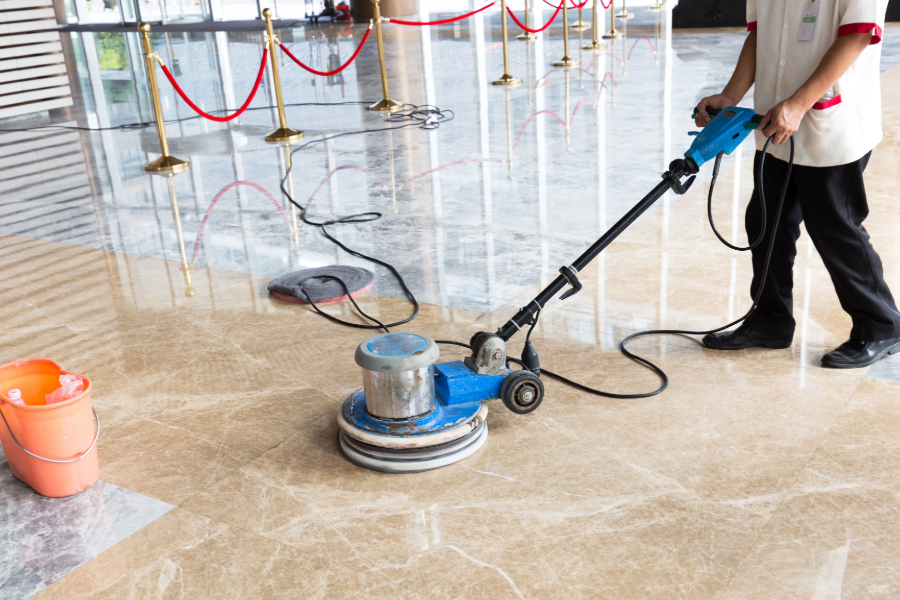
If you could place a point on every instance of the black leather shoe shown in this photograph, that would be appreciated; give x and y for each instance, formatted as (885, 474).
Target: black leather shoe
(743, 337)
(854, 355)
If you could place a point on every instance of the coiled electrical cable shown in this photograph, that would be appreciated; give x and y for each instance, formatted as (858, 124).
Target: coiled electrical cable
(426, 117)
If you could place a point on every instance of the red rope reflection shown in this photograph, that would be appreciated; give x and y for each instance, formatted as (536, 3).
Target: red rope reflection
(652, 47)
(221, 193)
(450, 164)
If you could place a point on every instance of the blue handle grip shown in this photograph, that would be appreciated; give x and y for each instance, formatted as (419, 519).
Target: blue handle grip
(753, 123)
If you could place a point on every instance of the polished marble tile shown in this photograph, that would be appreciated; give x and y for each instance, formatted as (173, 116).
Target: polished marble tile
(222, 400)
(46, 538)
(183, 555)
(702, 467)
(835, 534)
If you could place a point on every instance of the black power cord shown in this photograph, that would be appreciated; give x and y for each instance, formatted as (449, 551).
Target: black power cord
(426, 117)
(423, 117)
(662, 374)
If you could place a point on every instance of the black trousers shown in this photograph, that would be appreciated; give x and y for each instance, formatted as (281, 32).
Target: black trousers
(832, 203)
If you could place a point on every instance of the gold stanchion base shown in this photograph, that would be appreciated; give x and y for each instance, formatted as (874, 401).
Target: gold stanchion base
(580, 25)
(527, 36)
(386, 104)
(565, 61)
(167, 164)
(284, 134)
(507, 79)
(625, 15)
(594, 46)
(613, 35)
(657, 7)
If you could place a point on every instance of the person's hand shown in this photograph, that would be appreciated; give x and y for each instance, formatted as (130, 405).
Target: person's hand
(720, 101)
(783, 120)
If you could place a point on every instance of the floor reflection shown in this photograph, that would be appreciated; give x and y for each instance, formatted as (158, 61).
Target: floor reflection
(474, 213)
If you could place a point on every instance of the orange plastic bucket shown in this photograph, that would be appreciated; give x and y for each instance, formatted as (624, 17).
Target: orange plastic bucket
(51, 448)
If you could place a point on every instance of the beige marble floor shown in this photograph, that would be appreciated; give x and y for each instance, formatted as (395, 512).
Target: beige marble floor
(758, 474)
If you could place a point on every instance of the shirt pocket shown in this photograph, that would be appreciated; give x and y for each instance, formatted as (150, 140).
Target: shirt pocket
(830, 99)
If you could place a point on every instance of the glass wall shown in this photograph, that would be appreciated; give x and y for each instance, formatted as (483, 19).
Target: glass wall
(239, 10)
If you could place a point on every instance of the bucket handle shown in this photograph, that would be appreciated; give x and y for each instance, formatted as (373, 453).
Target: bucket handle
(50, 460)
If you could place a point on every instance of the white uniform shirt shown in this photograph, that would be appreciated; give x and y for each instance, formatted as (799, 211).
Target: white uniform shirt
(846, 123)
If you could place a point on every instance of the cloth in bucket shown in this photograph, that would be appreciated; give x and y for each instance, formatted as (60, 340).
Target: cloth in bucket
(318, 284)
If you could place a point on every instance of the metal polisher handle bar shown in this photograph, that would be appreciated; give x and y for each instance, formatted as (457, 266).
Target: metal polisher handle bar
(752, 124)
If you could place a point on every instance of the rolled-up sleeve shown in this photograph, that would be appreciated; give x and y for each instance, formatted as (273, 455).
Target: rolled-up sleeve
(751, 15)
(861, 16)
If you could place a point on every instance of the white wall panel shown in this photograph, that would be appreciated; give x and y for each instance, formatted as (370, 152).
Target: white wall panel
(32, 67)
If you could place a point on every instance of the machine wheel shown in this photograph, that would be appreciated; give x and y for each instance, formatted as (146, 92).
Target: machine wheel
(522, 392)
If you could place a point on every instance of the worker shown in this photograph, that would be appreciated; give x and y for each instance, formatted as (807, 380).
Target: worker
(816, 69)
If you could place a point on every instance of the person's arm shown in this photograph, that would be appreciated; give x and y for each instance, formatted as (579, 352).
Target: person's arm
(740, 82)
(783, 119)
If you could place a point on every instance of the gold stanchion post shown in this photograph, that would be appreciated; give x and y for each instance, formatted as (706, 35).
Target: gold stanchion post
(393, 177)
(612, 34)
(386, 103)
(568, 120)
(624, 14)
(612, 69)
(595, 45)
(283, 133)
(565, 61)
(166, 162)
(295, 223)
(656, 39)
(176, 216)
(506, 78)
(657, 6)
(525, 35)
(579, 24)
(596, 91)
(529, 72)
(509, 142)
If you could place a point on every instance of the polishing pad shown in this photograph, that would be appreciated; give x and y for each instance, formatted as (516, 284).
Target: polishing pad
(319, 286)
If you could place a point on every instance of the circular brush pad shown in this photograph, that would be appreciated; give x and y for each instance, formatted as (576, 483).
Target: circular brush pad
(319, 287)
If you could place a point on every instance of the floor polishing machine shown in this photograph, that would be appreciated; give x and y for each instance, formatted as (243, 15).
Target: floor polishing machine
(415, 414)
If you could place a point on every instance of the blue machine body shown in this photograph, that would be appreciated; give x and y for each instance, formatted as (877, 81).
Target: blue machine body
(459, 392)
(723, 134)
(441, 418)
(455, 383)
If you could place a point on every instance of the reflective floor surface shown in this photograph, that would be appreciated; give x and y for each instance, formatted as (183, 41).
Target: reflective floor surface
(757, 474)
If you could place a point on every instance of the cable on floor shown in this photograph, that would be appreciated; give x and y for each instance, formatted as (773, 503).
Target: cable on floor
(416, 114)
(425, 117)
(656, 369)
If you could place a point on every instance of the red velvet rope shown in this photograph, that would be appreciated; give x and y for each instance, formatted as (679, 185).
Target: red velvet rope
(578, 6)
(262, 69)
(574, 4)
(336, 71)
(528, 29)
(445, 21)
